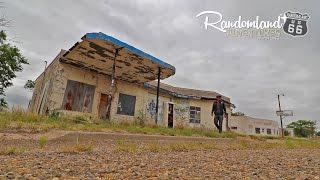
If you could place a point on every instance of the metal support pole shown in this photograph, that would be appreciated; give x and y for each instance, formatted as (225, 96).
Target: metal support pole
(113, 83)
(282, 133)
(227, 122)
(114, 68)
(158, 89)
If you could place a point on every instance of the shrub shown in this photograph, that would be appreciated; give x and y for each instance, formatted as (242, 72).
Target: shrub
(54, 115)
(80, 120)
(42, 141)
(11, 151)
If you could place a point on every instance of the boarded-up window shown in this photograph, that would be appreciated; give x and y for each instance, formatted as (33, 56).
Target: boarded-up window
(195, 114)
(78, 96)
(126, 104)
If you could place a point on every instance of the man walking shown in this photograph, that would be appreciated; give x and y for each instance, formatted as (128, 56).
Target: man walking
(219, 109)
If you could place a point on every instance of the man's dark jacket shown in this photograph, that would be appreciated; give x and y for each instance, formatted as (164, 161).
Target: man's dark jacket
(218, 108)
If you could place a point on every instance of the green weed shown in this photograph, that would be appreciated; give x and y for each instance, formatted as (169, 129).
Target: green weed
(42, 141)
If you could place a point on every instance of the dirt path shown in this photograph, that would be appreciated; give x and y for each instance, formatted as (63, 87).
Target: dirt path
(110, 158)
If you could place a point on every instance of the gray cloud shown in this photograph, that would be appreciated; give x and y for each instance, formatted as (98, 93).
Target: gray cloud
(250, 71)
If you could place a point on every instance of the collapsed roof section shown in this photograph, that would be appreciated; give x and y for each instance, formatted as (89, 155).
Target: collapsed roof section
(97, 52)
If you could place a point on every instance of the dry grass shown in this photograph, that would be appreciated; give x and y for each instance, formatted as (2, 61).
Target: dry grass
(20, 121)
(157, 146)
(13, 150)
(287, 143)
(77, 148)
(126, 146)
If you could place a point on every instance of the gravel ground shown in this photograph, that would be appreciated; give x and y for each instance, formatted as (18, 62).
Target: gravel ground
(104, 161)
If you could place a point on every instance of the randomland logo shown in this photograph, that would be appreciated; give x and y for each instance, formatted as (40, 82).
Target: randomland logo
(292, 23)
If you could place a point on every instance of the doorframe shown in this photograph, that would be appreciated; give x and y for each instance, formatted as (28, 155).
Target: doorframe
(170, 103)
(99, 104)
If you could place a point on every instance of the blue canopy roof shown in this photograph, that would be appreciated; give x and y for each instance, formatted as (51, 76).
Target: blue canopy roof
(135, 50)
(97, 50)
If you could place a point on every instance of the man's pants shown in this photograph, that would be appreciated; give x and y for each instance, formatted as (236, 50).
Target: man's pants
(218, 119)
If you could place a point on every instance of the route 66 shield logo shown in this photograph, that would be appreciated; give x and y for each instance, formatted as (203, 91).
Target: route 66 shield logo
(296, 24)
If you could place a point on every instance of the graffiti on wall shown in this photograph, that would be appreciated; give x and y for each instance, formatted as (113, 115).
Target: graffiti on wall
(151, 108)
(181, 109)
(78, 97)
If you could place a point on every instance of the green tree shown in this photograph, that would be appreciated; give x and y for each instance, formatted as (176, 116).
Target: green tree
(237, 113)
(318, 133)
(11, 61)
(29, 85)
(303, 128)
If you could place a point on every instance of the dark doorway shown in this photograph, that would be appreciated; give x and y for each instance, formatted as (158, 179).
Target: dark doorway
(104, 106)
(170, 116)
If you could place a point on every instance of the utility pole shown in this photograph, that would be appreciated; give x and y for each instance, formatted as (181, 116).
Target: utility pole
(282, 133)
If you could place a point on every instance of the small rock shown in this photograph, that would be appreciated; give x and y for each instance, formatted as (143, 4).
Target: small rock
(10, 175)
(110, 171)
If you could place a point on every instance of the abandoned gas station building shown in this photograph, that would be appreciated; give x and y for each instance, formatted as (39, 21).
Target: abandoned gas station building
(103, 77)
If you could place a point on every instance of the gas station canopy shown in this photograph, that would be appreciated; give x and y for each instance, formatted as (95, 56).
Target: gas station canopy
(98, 52)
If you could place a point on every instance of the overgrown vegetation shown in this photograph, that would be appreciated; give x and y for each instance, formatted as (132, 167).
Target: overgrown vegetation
(234, 144)
(303, 128)
(18, 120)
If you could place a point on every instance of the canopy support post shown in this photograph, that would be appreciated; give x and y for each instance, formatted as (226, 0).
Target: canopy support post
(113, 83)
(114, 69)
(158, 89)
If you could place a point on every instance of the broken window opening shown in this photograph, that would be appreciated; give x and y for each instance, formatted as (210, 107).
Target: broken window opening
(78, 97)
(195, 114)
(126, 104)
(268, 131)
(257, 130)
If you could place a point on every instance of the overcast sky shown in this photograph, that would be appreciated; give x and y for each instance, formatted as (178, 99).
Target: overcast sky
(249, 71)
